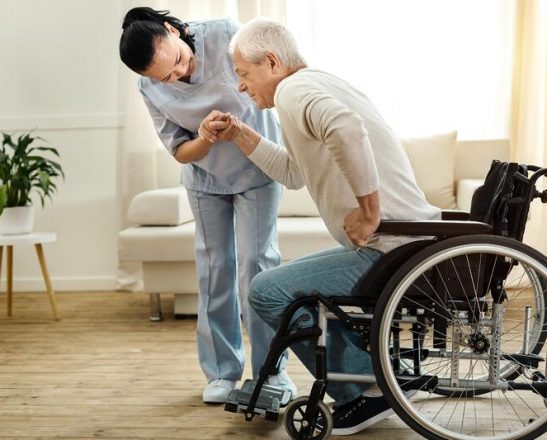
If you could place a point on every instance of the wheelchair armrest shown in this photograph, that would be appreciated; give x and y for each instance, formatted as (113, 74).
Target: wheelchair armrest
(444, 228)
(454, 214)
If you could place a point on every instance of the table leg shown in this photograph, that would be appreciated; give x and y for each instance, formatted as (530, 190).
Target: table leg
(1, 256)
(50, 292)
(10, 279)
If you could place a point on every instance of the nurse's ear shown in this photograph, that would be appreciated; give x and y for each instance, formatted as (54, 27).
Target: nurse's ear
(171, 29)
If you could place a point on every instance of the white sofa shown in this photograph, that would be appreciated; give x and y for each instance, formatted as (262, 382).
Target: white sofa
(162, 238)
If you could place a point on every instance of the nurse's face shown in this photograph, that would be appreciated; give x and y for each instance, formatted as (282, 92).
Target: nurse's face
(173, 59)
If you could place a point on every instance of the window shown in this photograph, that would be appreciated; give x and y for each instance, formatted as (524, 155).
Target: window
(429, 65)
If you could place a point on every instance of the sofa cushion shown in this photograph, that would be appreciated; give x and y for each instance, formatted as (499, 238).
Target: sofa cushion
(297, 203)
(302, 236)
(466, 189)
(157, 243)
(297, 237)
(433, 160)
(160, 207)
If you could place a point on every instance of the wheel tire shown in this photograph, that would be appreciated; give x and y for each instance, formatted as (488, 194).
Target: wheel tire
(392, 297)
(294, 417)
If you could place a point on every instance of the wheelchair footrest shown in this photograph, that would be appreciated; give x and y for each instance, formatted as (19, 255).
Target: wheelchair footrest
(267, 405)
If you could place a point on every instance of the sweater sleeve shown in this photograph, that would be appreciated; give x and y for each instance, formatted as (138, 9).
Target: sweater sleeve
(276, 162)
(340, 129)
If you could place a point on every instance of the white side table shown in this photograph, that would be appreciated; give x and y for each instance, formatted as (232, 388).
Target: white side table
(37, 239)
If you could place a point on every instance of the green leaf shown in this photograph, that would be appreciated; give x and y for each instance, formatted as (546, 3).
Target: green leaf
(7, 140)
(50, 149)
(3, 197)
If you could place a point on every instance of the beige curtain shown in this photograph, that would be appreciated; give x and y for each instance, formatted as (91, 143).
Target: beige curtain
(139, 142)
(529, 135)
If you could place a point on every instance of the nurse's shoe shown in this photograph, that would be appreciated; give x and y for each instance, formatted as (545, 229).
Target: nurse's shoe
(217, 390)
(283, 381)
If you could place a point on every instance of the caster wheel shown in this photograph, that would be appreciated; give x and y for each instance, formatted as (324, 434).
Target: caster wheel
(296, 425)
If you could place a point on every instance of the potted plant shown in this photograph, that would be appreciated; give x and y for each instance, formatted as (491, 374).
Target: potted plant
(24, 169)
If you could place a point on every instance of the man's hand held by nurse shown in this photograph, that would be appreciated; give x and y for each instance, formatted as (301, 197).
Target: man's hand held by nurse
(219, 126)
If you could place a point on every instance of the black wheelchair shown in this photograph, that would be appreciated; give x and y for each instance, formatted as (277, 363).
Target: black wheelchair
(455, 325)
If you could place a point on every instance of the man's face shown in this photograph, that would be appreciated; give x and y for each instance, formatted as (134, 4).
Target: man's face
(259, 80)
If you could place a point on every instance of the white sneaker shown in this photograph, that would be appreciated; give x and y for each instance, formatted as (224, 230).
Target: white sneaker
(217, 390)
(283, 381)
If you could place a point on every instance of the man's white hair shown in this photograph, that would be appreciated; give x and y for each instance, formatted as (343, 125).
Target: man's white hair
(261, 35)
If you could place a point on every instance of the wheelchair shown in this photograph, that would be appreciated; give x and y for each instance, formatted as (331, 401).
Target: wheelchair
(455, 325)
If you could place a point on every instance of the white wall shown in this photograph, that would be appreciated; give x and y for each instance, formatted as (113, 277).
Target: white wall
(60, 74)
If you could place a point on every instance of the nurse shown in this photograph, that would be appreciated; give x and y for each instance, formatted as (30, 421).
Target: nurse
(186, 71)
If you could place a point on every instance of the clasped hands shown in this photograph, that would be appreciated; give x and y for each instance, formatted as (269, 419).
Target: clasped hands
(219, 126)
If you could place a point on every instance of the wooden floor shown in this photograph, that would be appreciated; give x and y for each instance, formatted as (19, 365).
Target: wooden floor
(105, 371)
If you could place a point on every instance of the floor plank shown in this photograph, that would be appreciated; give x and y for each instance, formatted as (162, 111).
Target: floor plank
(105, 371)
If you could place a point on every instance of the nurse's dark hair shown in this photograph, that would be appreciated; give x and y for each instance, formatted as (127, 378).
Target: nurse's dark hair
(142, 27)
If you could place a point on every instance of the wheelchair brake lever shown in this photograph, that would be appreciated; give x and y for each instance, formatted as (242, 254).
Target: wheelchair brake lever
(340, 314)
(355, 324)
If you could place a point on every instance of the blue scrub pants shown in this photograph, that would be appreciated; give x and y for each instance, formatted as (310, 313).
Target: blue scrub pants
(332, 272)
(236, 238)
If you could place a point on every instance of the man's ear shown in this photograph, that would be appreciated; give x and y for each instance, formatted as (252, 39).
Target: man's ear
(273, 62)
(171, 29)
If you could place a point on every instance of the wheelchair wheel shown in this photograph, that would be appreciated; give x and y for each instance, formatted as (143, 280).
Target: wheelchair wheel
(461, 328)
(295, 423)
(538, 288)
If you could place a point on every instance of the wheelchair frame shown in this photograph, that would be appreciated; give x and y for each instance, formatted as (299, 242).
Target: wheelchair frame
(400, 304)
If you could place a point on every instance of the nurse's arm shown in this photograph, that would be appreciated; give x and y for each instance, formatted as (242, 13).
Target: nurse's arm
(193, 150)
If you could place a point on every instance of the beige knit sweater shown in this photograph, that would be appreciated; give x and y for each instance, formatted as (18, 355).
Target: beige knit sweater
(339, 146)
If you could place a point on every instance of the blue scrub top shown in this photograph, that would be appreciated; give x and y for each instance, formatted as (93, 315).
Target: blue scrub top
(178, 108)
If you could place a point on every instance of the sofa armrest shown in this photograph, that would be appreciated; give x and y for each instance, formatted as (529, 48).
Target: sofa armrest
(160, 207)
(465, 188)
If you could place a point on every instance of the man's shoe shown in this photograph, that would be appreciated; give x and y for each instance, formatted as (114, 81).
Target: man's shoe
(283, 381)
(359, 414)
(217, 390)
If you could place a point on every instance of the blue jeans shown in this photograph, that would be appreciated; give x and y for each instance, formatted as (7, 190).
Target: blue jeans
(333, 272)
(236, 238)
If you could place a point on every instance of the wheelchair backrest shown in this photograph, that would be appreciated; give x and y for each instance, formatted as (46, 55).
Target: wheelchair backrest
(504, 199)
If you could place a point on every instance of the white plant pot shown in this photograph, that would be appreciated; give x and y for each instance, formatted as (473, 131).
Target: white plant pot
(17, 220)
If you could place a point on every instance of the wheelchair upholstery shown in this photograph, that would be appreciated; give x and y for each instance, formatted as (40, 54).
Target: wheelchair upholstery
(371, 284)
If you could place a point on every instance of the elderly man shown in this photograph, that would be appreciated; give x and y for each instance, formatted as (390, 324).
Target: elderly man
(355, 168)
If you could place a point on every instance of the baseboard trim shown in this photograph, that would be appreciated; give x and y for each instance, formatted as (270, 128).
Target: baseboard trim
(62, 284)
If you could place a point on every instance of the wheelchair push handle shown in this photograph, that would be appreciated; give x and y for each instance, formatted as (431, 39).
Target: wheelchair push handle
(538, 172)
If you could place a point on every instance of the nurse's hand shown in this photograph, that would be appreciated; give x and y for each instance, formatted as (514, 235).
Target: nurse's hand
(225, 127)
(226, 132)
(210, 133)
